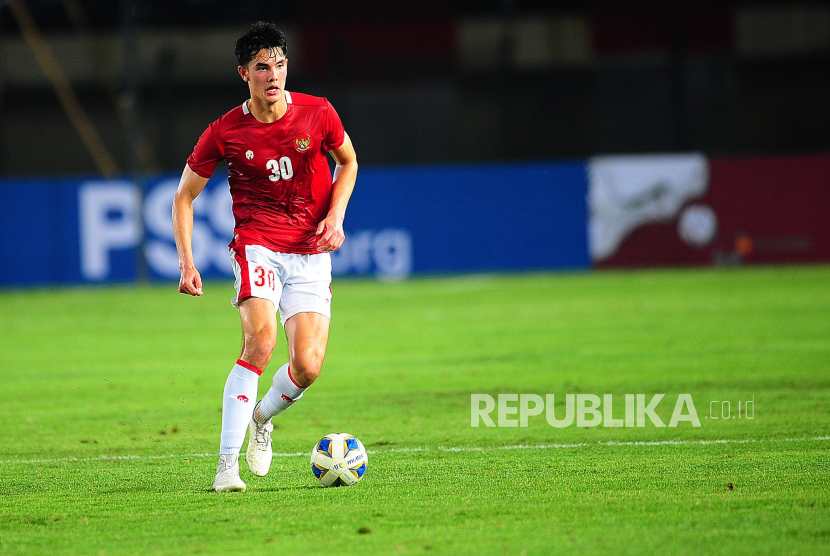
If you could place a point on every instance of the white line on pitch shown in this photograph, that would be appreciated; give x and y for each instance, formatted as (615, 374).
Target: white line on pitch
(443, 449)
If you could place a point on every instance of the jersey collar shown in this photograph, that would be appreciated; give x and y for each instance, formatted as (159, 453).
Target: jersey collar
(245, 104)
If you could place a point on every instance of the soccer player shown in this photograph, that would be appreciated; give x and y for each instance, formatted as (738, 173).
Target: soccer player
(288, 218)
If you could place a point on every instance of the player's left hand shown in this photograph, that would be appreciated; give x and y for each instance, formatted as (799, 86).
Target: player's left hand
(331, 234)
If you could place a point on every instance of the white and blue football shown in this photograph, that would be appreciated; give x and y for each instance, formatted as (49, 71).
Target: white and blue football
(339, 459)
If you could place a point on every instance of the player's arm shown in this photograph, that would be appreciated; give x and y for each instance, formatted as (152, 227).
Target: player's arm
(330, 230)
(190, 186)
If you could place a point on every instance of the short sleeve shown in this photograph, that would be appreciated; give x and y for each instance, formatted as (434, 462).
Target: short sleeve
(333, 134)
(206, 154)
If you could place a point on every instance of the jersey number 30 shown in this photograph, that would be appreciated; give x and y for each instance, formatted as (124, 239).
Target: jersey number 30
(280, 169)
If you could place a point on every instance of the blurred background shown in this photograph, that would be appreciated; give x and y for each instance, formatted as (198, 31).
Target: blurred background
(492, 135)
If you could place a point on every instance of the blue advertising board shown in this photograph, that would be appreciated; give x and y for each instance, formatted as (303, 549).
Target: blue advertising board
(401, 220)
(474, 218)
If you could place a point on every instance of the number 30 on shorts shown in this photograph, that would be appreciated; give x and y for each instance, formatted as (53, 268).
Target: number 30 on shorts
(262, 275)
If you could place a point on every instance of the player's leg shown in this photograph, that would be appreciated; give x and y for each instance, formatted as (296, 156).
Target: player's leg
(259, 329)
(308, 335)
(259, 292)
(305, 310)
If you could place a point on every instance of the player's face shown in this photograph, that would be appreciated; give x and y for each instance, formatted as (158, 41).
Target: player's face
(266, 74)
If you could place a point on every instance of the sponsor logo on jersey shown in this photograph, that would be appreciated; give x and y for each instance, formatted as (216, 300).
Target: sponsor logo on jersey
(242, 398)
(249, 155)
(302, 143)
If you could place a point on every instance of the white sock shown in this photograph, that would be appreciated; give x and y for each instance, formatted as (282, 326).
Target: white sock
(282, 395)
(237, 406)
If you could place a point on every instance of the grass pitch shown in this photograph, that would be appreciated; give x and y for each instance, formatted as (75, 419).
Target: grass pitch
(111, 406)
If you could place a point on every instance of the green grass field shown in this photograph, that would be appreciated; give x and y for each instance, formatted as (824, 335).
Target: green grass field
(111, 405)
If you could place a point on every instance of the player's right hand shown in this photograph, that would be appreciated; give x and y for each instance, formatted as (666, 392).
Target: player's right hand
(191, 281)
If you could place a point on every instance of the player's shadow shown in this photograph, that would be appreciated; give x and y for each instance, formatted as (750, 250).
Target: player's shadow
(271, 489)
(285, 488)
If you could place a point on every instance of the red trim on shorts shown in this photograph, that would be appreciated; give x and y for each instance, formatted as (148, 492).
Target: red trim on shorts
(248, 366)
(291, 378)
(245, 278)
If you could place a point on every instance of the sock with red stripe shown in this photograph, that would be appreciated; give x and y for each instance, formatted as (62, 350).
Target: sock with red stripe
(282, 395)
(237, 406)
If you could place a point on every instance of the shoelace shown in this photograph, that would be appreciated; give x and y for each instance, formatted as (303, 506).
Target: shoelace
(225, 465)
(263, 437)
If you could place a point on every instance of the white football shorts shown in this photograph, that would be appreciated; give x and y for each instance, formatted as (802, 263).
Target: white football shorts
(293, 283)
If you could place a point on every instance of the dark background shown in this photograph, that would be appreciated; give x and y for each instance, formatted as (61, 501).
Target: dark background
(429, 81)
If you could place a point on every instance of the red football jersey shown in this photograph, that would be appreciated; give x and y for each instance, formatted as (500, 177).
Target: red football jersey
(278, 173)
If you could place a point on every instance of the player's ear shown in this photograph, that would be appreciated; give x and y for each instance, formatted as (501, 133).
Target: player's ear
(243, 72)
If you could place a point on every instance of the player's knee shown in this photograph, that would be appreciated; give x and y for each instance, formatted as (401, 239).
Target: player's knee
(306, 366)
(304, 375)
(258, 350)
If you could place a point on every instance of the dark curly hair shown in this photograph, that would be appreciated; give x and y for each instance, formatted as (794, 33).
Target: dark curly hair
(260, 35)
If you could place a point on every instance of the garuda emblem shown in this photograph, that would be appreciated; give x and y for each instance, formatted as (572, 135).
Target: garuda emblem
(302, 143)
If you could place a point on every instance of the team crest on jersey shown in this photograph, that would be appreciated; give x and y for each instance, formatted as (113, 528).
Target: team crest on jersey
(249, 155)
(302, 143)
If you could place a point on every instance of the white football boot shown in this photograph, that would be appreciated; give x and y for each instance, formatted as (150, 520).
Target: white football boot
(259, 452)
(227, 475)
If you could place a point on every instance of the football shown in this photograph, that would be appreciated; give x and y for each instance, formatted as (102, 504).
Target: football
(339, 459)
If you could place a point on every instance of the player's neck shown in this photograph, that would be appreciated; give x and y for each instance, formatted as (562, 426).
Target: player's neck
(267, 113)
